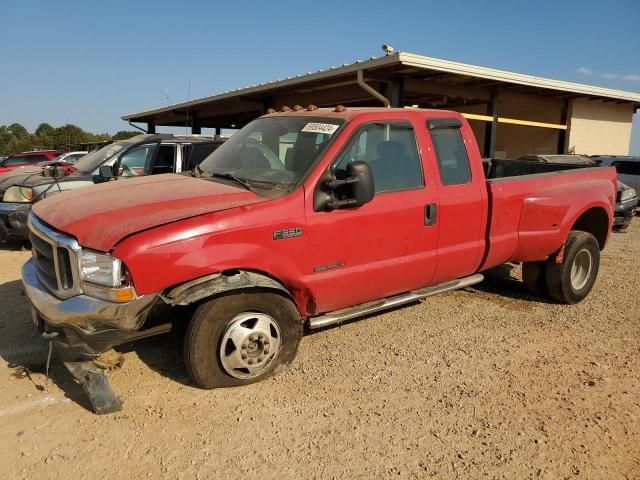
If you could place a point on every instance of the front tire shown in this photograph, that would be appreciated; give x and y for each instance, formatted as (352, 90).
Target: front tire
(571, 281)
(241, 338)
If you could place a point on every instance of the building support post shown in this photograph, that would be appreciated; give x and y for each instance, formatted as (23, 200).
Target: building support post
(491, 129)
(218, 129)
(151, 127)
(397, 93)
(562, 134)
(196, 129)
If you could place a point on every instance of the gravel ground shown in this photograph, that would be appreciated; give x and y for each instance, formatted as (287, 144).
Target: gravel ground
(486, 382)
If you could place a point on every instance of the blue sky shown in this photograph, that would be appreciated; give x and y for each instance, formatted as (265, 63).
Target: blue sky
(88, 63)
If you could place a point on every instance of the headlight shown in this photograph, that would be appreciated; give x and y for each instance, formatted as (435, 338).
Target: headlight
(100, 268)
(17, 194)
(625, 195)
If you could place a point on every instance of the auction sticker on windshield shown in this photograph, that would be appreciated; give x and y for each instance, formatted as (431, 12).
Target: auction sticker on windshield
(313, 127)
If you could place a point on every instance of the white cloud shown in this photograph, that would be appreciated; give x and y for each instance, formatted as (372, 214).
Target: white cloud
(634, 77)
(584, 71)
(610, 76)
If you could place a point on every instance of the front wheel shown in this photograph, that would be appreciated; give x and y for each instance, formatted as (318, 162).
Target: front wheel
(571, 281)
(241, 338)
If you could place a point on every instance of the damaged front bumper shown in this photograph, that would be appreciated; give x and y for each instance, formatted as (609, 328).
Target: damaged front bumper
(13, 220)
(624, 212)
(86, 326)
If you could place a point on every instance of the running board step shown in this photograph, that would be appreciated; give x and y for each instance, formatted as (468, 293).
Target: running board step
(386, 303)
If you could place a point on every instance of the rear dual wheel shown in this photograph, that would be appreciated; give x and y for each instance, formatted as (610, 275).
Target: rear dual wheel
(571, 280)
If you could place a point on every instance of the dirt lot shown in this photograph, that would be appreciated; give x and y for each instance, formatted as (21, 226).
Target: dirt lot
(482, 383)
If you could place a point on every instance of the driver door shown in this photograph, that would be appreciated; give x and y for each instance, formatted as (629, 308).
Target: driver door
(384, 247)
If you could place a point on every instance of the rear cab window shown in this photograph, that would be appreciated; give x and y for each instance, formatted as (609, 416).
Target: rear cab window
(193, 154)
(451, 153)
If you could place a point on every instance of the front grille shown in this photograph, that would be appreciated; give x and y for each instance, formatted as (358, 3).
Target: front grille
(55, 258)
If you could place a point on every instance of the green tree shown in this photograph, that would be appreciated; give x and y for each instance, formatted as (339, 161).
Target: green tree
(124, 134)
(18, 130)
(45, 130)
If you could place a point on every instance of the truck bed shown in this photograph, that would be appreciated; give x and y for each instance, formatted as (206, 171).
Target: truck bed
(496, 168)
(534, 205)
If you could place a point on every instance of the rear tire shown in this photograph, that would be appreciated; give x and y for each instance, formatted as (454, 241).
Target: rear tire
(533, 277)
(571, 281)
(241, 338)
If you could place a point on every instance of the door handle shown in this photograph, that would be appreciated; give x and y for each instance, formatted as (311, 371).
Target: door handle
(430, 214)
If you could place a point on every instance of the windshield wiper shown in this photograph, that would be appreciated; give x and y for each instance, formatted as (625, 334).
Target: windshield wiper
(233, 178)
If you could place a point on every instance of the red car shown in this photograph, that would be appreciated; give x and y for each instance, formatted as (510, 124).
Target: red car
(305, 219)
(25, 159)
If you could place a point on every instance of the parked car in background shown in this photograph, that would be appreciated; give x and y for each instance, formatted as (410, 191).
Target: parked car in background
(64, 163)
(627, 196)
(309, 217)
(139, 155)
(628, 168)
(24, 159)
(69, 158)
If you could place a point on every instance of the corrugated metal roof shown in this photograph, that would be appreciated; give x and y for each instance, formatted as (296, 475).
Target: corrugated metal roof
(411, 60)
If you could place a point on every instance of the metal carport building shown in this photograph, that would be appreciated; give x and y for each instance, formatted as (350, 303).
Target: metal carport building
(511, 113)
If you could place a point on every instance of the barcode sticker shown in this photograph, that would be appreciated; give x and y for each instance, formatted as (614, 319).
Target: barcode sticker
(313, 127)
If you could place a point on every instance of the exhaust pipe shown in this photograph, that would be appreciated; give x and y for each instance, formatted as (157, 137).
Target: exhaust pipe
(372, 91)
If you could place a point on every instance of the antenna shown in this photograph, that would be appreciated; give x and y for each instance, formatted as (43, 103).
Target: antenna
(186, 125)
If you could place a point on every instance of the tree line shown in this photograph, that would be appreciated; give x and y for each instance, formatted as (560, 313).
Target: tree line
(15, 138)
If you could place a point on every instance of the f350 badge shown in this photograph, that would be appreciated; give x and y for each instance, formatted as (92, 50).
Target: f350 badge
(287, 233)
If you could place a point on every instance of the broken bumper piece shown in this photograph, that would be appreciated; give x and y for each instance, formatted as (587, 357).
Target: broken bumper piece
(95, 384)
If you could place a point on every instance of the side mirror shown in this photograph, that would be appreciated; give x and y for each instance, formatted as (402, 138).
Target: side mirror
(106, 172)
(354, 190)
(361, 180)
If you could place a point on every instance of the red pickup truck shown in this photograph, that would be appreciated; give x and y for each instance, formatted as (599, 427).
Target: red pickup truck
(307, 217)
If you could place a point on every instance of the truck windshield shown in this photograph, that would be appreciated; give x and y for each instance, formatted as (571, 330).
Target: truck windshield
(272, 150)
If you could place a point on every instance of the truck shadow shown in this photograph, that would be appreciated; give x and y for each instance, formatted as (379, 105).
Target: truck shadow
(162, 354)
(25, 353)
(15, 245)
(504, 281)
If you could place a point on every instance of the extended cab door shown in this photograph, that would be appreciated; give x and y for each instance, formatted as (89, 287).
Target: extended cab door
(461, 209)
(386, 246)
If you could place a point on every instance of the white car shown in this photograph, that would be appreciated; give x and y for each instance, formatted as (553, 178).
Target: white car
(69, 157)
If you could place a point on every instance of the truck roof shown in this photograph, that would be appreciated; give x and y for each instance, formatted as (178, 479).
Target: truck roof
(351, 112)
(170, 137)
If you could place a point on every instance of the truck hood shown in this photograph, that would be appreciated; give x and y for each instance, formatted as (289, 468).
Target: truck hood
(102, 215)
(12, 168)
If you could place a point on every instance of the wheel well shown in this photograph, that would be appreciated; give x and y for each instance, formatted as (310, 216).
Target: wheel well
(594, 221)
(223, 282)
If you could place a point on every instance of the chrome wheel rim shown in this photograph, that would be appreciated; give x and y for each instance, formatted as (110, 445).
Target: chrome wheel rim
(249, 345)
(581, 269)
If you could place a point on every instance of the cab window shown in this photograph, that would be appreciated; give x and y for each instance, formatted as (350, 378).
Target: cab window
(451, 156)
(165, 161)
(133, 162)
(391, 151)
